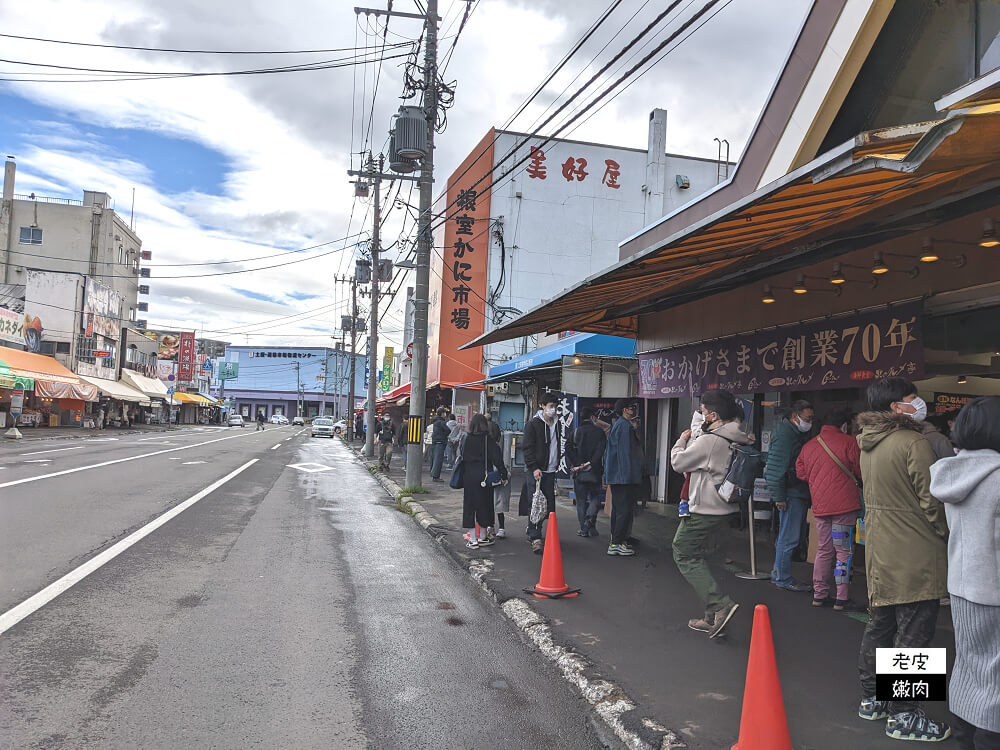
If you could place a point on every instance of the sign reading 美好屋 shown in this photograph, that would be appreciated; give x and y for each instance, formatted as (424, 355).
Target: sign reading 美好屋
(837, 353)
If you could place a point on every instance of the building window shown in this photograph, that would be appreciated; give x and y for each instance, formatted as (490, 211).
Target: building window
(62, 347)
(30, 236)
(121, 255)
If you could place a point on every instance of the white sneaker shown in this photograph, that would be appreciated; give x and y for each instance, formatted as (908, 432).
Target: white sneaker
(501, 533)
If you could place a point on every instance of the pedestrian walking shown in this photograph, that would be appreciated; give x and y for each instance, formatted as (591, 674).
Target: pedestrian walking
(707, 460)
(623, 473)
(543, 452)
(587, 449)
(385, 434)
(906, 547)
(480, 456)
(969, 486)
(789, 493)
(455, 434)
(359, 427)
(439, 442)
(260, 421)
(831, 465)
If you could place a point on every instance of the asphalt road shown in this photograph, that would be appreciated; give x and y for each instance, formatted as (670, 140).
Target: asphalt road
(233, 599)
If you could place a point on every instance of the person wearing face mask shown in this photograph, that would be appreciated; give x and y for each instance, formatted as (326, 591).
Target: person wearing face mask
(542, 446)
(906, 547)
(789, 493)
(623, 473)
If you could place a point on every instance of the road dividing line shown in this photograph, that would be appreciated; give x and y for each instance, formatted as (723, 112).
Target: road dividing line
(275, 447)
(53, 450)
(118, 461)
(12, 616)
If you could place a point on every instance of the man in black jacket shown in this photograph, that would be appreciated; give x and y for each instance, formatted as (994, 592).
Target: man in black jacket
(586, 456)
(439, 441)
(542, 453)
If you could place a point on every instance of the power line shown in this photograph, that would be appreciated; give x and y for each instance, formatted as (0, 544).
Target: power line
(190, 51)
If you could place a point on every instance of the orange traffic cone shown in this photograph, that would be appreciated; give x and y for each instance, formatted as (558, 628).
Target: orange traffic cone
(763, 725)
(552, 584)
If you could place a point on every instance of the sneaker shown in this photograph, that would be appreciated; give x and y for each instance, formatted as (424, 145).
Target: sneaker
(620, 549)
(722, 618)
(872, 709)
(472, 545)
(536, 546)
(914, 725)
(486, 542)
(847, 605)
(802, 587)
(582, 532)
(501, 533)
(821, 602)
(702, 626)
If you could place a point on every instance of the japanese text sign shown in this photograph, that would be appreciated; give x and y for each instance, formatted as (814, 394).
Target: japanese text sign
(837, 353)
(11, 326)
(950, 402)
(386, 384)
(911, 674)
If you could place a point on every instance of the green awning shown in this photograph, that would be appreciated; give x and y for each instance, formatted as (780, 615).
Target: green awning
(9, 380)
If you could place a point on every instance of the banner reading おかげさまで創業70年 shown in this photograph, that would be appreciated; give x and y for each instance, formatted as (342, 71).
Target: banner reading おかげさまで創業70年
(843, 352)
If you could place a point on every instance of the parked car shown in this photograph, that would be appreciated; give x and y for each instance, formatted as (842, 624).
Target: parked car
(279, 419)
(340, 427)
(298, 421)
(235, 420)
(323, 427)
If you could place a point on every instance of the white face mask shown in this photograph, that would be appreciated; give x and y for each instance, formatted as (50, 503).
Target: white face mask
(549, 411)
(920, 407)
(803, 425)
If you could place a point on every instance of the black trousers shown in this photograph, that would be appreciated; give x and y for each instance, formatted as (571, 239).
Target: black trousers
(900, 625)
(622, 510)
(974, 738)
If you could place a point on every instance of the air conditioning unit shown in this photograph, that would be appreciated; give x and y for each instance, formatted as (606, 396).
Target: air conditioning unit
(501, 388)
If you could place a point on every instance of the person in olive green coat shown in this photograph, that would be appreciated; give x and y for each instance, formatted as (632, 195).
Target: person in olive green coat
(906, 546)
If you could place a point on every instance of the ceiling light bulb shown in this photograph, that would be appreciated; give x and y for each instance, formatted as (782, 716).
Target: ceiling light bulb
(768, 298)
(989, 238)
(878, 266)
(962, 380)
(800, 285)
(838, 276)
(927, 254)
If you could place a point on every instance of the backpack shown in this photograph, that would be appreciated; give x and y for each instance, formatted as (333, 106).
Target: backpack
(745, 463)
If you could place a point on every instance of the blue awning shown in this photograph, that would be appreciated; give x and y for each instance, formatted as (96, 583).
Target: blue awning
(580, 343)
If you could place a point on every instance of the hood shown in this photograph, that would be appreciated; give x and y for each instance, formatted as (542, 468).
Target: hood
(876, 426)
(953, 479)
(732, 431)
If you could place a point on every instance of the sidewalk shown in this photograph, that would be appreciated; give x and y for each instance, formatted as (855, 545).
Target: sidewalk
(68, 433)
(631, 623)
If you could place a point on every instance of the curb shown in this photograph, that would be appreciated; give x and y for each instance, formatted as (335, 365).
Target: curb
(615, 714)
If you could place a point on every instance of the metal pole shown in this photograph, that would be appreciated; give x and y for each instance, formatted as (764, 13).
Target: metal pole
(354, 335)
(373, 333)
(753, 575)
(421, 296)
(298, 391)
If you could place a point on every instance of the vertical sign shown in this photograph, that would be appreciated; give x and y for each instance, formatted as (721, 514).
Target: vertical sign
(16, 404)
(386, 384)
(186, 358)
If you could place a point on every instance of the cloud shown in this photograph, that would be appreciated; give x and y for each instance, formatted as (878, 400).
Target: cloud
(284, 142)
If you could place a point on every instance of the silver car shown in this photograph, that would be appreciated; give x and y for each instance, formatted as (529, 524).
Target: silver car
(323, 427)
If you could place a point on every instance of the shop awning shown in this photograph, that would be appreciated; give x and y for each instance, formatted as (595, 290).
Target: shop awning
(208, 397)
(152, 387)
(580, 343)
(398, 396)
(870, 185)
(7, 377)
(36, 367)
(193, 398)
(117, 389)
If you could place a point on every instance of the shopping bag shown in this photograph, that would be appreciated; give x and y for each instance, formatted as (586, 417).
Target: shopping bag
(538, 507)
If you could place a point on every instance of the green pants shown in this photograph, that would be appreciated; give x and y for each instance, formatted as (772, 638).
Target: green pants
(689, 554)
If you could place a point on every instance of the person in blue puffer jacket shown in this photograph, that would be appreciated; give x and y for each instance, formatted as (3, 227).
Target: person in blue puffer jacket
(789, 494)
(623, 473)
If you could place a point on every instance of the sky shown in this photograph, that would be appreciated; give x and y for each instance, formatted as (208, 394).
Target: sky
(230, 169)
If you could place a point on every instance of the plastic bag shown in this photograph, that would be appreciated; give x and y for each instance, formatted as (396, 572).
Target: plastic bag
(539, 505)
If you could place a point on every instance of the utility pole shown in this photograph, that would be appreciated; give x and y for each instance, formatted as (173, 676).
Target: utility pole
(354, 337)
(373, 325)
(421, 296)
(298, 390)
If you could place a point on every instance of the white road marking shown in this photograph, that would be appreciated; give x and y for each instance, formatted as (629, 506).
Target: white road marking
(39, 461)
(189, 463)
(143, 440)
(308, 467)
(53, 450)
(119, 460)
(100, 440)
(273, 447)
(12, 616)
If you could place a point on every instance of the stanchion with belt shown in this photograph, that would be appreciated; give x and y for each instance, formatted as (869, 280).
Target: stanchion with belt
(752, 574)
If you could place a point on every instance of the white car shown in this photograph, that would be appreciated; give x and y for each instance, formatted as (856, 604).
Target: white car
(279, 419)
(322, 427)
(340, 427)
(235, 420)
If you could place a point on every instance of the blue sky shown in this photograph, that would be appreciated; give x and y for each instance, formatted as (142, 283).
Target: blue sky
(176, 165)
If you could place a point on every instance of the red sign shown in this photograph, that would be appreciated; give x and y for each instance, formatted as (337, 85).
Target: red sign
(90, 325)
(101, 354)
(409, 350)
(186, 357)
